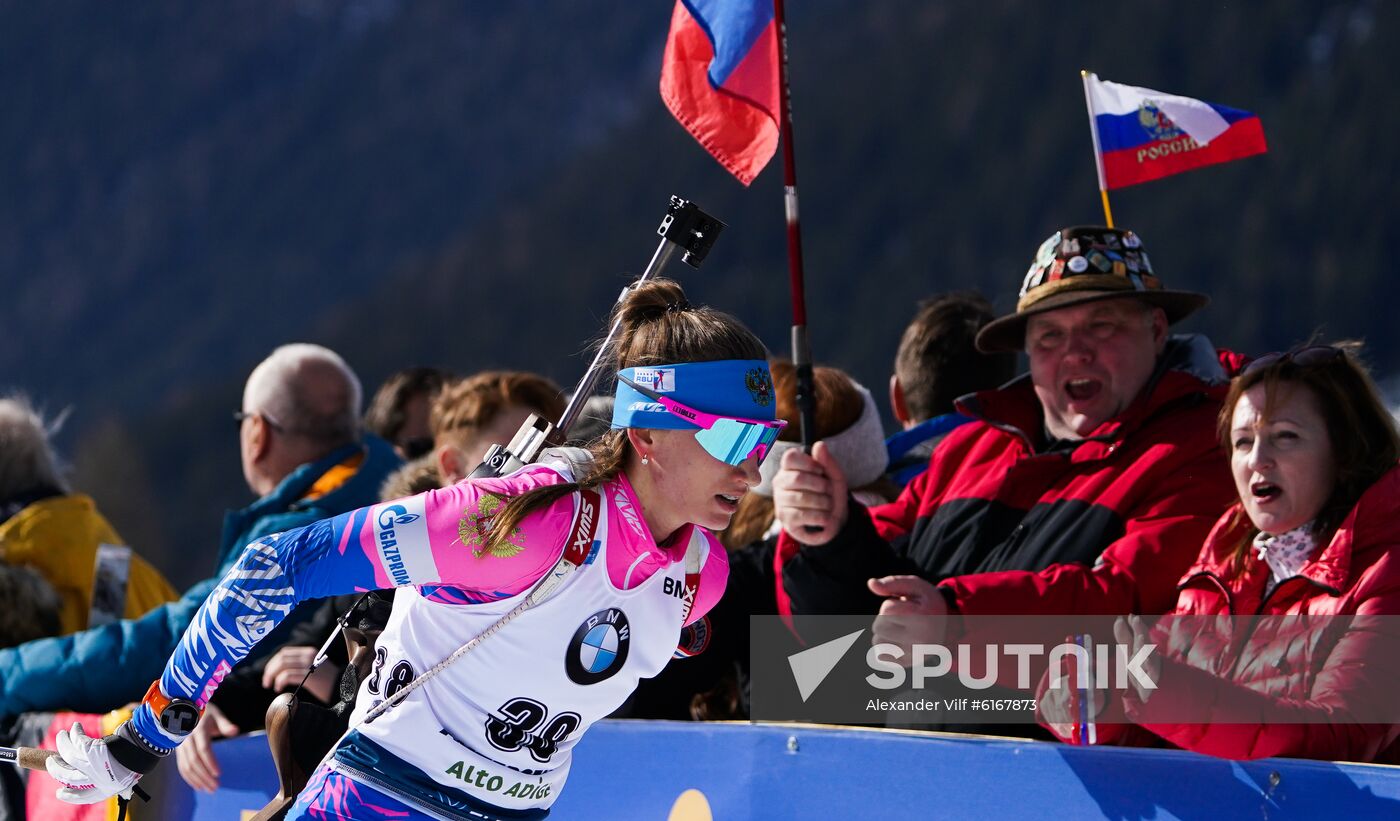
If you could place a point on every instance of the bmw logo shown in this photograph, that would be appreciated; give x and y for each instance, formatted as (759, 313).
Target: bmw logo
(598, 648)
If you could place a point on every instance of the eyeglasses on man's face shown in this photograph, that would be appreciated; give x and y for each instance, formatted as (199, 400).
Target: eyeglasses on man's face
(240, 415)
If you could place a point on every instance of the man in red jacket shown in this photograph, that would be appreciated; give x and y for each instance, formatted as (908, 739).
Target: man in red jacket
(1085, 488)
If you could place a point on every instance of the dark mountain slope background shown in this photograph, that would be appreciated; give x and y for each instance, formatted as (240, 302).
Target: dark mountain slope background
(189, 185)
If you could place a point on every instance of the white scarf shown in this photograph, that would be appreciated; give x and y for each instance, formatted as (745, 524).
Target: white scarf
(859, 450)
(1286, 553)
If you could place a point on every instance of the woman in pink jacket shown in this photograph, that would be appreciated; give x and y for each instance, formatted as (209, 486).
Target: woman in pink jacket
(1285, 639)
(558, 587)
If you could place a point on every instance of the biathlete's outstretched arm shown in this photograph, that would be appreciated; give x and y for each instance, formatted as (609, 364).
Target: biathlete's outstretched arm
(423, 539)
(430, 538)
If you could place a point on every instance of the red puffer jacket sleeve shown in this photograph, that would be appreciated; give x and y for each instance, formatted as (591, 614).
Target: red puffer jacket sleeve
(1354, 688)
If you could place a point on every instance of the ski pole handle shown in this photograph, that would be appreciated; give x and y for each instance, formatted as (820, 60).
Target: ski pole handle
(30, 758)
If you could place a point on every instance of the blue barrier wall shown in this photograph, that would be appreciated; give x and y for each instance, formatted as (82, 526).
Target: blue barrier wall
(651, 770)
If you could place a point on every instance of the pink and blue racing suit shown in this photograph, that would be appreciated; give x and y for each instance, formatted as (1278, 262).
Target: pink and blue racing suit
(491, 735)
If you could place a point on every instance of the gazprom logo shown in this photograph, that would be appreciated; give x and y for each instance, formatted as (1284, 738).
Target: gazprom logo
(395, 515)
(386, 534)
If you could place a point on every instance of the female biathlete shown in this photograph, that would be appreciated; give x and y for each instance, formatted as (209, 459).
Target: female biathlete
(598, 561)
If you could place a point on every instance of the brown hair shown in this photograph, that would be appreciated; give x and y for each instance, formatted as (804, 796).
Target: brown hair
(838, 405)
(938, 360)
(385, 416)
(1362, 432)
(657, 326)
(475, 402)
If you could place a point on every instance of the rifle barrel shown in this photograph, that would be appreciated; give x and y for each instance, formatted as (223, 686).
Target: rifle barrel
(664, 250)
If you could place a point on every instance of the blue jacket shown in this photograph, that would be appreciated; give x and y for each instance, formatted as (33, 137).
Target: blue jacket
(105, 667)
(910, 450)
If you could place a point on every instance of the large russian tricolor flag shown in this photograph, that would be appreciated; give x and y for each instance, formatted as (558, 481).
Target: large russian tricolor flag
(1142, 135)
(719, 77)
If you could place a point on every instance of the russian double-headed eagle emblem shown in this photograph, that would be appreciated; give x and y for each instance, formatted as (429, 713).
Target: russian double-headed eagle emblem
(760, 384)
(1154, 122)
(474, 530)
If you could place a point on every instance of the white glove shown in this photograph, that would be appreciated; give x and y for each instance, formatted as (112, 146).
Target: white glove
(85, 768)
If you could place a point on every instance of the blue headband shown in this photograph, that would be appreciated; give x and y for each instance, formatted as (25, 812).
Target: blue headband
(728, 387)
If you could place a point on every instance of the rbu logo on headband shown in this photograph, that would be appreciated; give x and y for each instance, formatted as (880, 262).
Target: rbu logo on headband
(660, 380)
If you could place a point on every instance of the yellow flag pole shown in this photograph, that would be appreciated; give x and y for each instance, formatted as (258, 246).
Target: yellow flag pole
(1088, 77)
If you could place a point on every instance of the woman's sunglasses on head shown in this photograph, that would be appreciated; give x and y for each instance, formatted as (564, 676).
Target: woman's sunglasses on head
(1311, 355)
(730, 439)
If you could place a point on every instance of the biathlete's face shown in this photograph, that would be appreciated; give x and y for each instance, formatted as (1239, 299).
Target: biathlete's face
(681, 482)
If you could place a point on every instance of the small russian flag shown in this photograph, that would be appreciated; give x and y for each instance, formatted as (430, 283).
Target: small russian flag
(719, 77)
(1142, 135)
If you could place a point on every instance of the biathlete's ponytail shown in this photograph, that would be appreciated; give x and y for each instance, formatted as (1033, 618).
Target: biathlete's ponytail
(659, 327)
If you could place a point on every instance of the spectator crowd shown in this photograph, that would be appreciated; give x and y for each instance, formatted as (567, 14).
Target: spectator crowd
(1131, 472)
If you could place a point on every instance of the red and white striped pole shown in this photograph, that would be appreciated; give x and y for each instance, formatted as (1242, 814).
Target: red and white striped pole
(801, 349)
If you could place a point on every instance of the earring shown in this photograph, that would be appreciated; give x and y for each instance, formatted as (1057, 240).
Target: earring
(645, 459)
